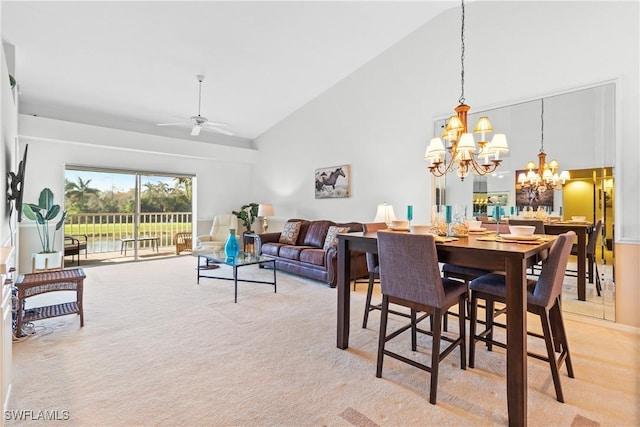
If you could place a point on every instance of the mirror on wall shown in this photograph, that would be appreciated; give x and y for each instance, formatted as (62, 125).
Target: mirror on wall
(576, 129)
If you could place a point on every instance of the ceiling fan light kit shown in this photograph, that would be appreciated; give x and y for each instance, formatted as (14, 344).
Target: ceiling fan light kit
(199, 122)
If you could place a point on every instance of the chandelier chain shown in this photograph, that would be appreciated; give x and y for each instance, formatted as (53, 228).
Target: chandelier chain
(461, 99)
(542, 127)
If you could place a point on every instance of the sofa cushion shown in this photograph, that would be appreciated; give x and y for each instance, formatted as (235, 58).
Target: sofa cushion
(332, 236)
(290, 233)
(316, 233)
(313, 256)
(271, 248)
(291, 252)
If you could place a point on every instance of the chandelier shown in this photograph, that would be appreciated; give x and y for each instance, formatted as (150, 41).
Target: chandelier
(464, 156)
(543, 176)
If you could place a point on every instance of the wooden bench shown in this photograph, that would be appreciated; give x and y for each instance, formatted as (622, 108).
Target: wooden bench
(32, 284)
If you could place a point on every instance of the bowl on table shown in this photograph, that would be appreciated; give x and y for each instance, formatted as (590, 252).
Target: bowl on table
(522, 230)
(579, 218)
(400, 225)
(474, 225)
(420, 229)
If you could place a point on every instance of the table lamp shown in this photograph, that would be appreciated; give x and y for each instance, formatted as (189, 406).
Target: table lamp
(385, 214)
(265, 210)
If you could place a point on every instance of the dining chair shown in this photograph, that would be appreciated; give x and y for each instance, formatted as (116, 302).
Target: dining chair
(410, 276)
(592, 241)
(464, 274)
(543, 299)
(373, 267)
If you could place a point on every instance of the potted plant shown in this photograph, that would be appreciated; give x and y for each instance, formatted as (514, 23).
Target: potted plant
(43, 213)
(247, 215)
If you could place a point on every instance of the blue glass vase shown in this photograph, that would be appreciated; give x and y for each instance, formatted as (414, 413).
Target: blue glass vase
(231, 248)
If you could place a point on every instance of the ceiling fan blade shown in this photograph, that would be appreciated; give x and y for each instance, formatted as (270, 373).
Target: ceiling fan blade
(196, 130)
(174, 124)
(219, 130)
(226, 125)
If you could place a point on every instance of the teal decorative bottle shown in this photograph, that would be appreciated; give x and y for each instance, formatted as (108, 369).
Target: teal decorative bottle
(231, 248)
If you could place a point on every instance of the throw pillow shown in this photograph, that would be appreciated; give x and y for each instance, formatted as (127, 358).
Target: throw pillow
(290, 233)
(332, 236)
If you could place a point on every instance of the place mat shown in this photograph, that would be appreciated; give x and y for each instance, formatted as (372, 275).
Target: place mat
(572, 222)
(440, 239)
(487, 238)
(502, 240)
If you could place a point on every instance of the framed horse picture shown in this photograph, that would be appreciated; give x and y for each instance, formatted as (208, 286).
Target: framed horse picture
(333, 182)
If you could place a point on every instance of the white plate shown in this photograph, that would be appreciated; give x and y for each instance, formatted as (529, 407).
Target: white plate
(471, 230)
(514, 237)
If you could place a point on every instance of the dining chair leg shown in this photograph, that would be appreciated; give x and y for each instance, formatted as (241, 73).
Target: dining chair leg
(367, 305)
(382, 337)
(435, 354)
(553, 364)
(462, 330)
(598, 284)
(561, 333)
(414, 330)
(488, 314)
(472, 330)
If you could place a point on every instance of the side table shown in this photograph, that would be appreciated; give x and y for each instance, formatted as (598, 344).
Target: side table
(29, 285)
(249, 243)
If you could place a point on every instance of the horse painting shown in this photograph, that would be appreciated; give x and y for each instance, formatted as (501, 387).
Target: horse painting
(332, 182)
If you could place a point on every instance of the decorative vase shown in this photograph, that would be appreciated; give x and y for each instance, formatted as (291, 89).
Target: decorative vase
(47, 261)
(231, 248)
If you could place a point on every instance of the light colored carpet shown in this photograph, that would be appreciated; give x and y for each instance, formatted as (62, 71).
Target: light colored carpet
(158, 349)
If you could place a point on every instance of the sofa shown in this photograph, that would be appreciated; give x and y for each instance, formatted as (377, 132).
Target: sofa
(311, 250)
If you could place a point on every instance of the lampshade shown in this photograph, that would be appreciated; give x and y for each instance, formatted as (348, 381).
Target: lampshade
(385, 214)
(483, 125)
(265, 210)
(435, 149)
(499, 143)
(466, 143)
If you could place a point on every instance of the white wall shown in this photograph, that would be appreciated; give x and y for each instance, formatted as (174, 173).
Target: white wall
(379, 118)
(223, 173)
(8, 132)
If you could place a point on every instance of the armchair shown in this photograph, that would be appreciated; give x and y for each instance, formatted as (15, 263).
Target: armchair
(217, 237)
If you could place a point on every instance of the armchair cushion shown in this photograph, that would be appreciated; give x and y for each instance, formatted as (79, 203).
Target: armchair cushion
(219, 232)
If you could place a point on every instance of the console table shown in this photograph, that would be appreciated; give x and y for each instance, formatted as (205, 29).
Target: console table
(29, 285)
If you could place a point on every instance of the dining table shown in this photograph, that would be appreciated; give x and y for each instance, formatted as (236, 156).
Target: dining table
(471, 251)
(582, 230)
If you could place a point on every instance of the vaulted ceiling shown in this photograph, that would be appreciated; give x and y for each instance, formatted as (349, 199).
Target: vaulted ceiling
(131, 65)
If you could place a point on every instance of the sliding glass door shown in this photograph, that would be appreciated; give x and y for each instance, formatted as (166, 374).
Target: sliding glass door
(127, 215)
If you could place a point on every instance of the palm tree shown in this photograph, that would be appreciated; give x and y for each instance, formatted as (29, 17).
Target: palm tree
(184, 183)
(77, 191)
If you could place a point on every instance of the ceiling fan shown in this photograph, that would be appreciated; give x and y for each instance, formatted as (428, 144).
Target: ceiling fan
(199, 122)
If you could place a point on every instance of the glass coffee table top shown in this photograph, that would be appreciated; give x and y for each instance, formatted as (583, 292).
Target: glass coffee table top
(243, 258)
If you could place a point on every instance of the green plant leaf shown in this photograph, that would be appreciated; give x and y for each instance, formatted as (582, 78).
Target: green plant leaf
(46, 199)
(52, 213)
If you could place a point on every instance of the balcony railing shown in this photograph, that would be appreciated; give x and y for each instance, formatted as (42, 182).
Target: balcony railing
(105, 231)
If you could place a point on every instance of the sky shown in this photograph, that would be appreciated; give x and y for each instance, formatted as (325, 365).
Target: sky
(119, 182)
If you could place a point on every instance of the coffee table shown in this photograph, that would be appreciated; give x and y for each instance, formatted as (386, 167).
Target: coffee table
(241, 260)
